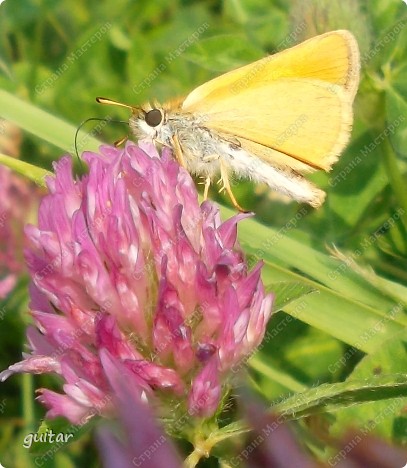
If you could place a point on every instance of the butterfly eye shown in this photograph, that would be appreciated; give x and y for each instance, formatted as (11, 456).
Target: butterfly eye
(154, 117)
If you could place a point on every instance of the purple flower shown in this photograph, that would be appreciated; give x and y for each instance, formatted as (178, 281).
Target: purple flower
(149, 447)
(17, 199)
(125, 261)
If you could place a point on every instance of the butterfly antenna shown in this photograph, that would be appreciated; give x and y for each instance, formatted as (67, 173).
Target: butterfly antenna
(102, 100)
(89, 120)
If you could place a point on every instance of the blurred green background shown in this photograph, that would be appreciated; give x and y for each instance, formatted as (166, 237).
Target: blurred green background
(60, 55)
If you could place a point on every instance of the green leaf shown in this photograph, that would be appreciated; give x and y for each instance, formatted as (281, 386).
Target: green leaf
(386, 13)
(334, 397)
(261, 365)
(329, 398)
(119, 38)
(389, 360)
(396, 110)
(345, 306)
(349, 193)
(43, 125)
(265, 22)
(286, 292)
(64, 433)
(223, 53)
(141, 68)
(395, 64)
(391, 289)
(293, 354)
(34, 173)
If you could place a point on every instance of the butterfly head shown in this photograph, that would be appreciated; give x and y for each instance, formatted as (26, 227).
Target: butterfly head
(148, 122)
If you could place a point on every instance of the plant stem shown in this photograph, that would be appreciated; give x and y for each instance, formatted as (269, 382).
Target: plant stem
(27, 401)
(193, 458)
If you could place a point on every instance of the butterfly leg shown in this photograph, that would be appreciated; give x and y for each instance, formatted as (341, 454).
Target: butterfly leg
(224, 178)
(206, 182)
(178, 152)
(210, 158)
(122, 140)
(206, 189)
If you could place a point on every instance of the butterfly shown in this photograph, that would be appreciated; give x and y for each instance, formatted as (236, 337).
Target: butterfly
(270, 121)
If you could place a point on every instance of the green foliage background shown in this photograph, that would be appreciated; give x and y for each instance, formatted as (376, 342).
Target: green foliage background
(349, 256)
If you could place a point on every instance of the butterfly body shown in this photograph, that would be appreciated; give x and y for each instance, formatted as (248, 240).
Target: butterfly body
(205, 152)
